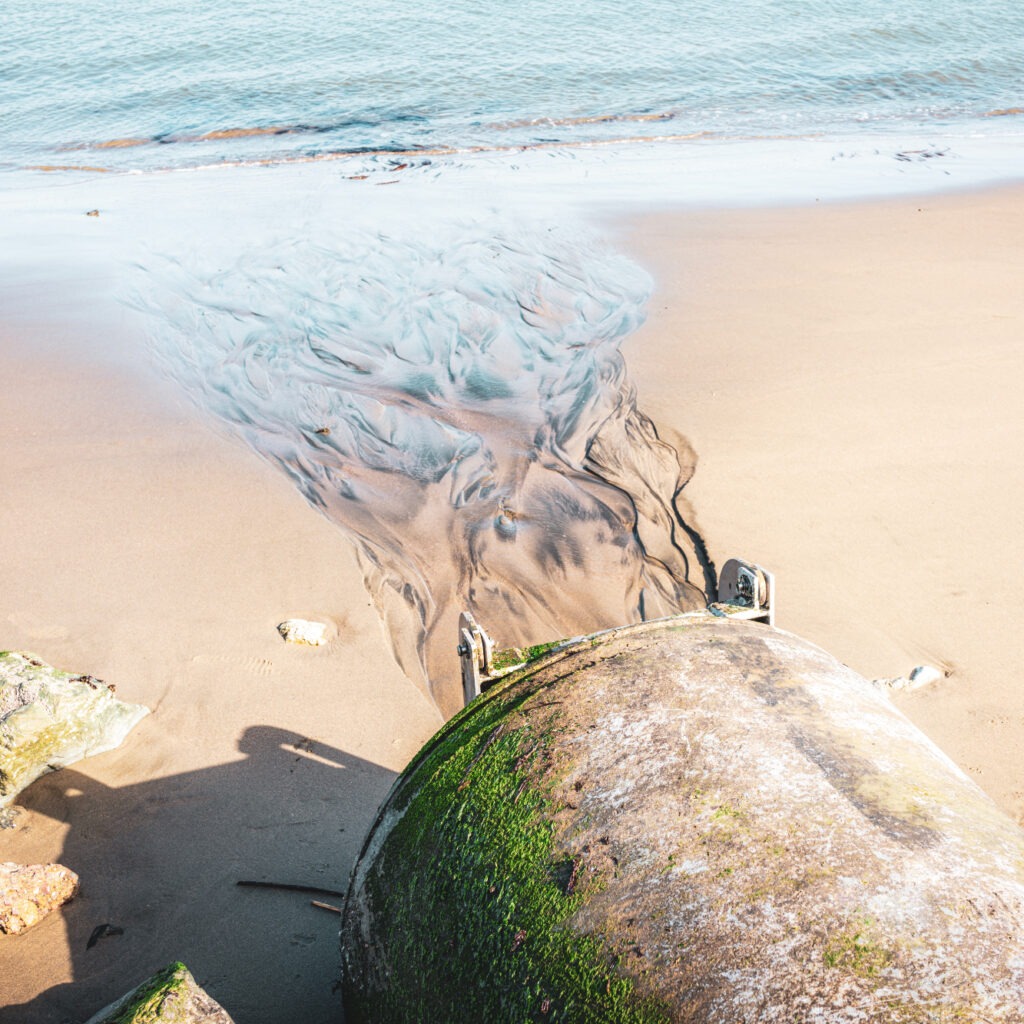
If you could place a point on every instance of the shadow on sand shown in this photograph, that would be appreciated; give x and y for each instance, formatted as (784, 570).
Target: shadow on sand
(161, 859)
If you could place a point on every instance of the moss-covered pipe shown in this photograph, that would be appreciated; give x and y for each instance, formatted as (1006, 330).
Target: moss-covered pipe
(699, 820)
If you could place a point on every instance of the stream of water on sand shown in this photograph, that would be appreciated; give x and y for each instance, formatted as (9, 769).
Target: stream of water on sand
(461, 408)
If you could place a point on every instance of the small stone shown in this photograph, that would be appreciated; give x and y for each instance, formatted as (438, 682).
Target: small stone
(28, 892)
(92, 213)
(171, 996)
(924, 675)
(302, 631)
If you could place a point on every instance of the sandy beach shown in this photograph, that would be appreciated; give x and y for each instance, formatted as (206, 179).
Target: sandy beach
(847, 376)
(144, 548)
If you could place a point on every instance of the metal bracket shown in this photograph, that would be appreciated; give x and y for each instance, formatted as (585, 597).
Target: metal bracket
(747, 590)
(475, 653)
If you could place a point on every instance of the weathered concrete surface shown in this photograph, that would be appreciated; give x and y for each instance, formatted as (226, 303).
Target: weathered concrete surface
(50, 719)
(701, 821)
(28, 892)
(171, 996)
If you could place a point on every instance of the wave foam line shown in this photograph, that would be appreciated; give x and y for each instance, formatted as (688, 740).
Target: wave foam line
(412, 155)
(258, 131)
(568, 122)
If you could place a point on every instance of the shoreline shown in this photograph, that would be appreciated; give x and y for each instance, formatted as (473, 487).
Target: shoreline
(131, 552)
(696, 169)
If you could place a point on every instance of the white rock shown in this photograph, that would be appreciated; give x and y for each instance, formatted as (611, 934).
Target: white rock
(923, 675)
(302, 631)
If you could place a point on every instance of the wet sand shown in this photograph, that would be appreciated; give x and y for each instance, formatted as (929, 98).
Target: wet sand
(847, 377)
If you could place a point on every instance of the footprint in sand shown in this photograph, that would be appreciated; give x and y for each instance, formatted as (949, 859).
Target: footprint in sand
(255, 666)
(37, 629)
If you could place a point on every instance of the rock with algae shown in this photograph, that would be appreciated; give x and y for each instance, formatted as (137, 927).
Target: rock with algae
(696, 820)
(28, 892)
(50, 719)
(171, 996)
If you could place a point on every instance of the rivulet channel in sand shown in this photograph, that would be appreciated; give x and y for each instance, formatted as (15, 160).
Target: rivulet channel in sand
(458, 404)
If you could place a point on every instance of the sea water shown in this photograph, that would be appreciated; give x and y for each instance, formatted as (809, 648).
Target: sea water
(397, 305)
(174, 83)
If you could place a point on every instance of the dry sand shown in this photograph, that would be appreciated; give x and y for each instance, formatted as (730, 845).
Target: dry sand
(848, 376)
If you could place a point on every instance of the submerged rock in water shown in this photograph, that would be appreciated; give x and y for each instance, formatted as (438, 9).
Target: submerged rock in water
(171, 996)
(50, 719)
(696, 820)
(28, 892)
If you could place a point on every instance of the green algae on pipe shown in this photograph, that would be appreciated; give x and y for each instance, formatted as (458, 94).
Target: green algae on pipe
(700, 820)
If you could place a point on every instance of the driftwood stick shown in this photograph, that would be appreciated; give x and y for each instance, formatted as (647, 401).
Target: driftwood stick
(290, 887)
(326, 906)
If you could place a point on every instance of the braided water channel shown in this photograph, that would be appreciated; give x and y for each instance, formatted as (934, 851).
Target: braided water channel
(459, 405)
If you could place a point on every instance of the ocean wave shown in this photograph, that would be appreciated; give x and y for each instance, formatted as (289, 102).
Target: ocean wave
(395, 158)
(242, 82)
(242, 132)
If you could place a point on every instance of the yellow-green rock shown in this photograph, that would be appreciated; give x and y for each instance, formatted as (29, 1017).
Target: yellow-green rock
(50, 719)
(171, 996)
